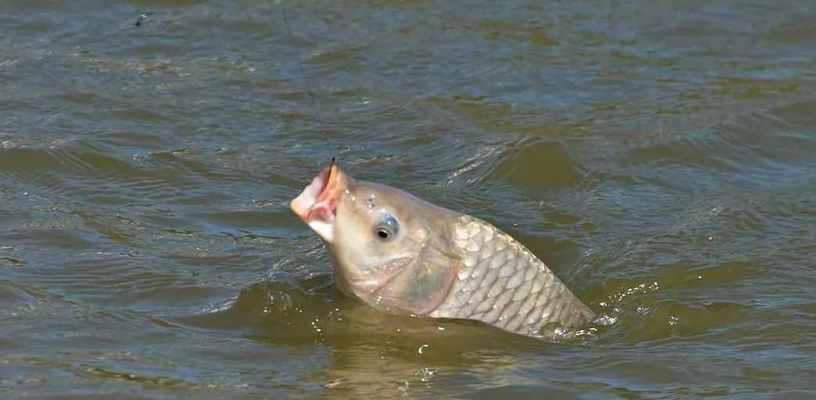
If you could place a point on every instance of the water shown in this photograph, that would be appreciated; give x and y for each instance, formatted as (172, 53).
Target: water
(659, 156)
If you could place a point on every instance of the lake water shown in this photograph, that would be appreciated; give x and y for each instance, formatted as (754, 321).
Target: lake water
(660, 156)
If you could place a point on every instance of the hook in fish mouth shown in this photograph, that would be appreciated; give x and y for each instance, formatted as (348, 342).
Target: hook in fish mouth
(317, 203)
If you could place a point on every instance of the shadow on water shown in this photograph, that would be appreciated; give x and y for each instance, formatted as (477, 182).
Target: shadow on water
(366, 352)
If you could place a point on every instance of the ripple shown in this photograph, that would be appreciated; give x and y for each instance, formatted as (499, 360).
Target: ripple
(797, 115)
(538, 166)
(54, 238)
(720, 275)
(692, 151)
(665, 319)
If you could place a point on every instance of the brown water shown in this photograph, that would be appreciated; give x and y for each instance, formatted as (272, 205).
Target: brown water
(659, 156)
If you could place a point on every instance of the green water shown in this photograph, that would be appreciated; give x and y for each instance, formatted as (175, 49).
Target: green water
(659, 156)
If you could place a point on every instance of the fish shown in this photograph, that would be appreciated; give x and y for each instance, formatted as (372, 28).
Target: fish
(403, 255)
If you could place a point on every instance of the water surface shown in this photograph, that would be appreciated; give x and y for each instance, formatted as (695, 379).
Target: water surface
(659, 156)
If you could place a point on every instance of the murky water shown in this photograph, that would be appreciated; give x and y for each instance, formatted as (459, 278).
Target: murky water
(659, 156)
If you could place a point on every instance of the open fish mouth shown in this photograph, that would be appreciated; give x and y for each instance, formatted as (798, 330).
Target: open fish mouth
(317, 203)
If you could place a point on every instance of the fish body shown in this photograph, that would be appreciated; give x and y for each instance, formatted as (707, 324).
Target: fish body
(403, 255)
(502, 283)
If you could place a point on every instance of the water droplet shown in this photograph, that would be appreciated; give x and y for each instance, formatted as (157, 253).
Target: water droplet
(332, 384)
(426, 374)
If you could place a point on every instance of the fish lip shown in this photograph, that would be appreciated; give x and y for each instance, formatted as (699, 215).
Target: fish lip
(316, 205)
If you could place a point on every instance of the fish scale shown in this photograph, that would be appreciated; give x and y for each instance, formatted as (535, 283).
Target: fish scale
(501, 282)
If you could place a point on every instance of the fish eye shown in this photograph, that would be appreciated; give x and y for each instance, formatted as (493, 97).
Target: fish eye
(386, 228)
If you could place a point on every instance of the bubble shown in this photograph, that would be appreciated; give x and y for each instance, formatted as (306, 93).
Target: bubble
(605, 320)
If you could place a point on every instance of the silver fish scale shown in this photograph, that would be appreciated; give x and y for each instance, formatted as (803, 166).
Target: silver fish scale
(502, 283)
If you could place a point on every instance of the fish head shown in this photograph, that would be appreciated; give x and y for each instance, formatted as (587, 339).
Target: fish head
(379, 239)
